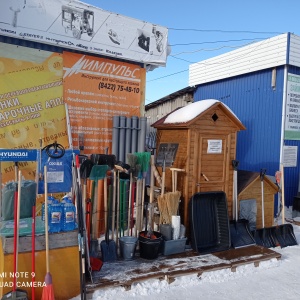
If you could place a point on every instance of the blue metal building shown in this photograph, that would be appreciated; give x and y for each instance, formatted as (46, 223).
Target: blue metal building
(257, 82)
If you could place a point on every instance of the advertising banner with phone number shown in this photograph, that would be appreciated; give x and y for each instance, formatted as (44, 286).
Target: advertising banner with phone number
(95, 90)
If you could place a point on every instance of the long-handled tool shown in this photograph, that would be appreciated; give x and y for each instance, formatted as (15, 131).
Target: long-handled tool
(174, 177)
(108, 247)
(132, 161)
(48, 291)
(33, 251)
(97, 173)
(81, 231)
(264, 236)
(83, 172)
(161, 200)
(16, 293)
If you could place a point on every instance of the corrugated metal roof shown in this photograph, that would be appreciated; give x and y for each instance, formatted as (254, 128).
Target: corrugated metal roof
(172, 96)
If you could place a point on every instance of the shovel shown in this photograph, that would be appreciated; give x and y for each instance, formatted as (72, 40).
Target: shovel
(108, 247)
(97, 173)
(85, 171)
(239, 228)
(264, 236)
(94, 264)
(284, 233)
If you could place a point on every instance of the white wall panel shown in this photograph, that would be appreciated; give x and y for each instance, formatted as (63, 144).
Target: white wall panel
(294, 54)
(258, 56)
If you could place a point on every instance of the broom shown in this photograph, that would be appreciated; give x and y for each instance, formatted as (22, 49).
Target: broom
(48, 292)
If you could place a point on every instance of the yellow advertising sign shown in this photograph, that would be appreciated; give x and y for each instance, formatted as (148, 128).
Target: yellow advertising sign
(95, 90)
(31, 103)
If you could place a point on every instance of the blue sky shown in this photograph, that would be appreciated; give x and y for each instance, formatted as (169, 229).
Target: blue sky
(212, 28)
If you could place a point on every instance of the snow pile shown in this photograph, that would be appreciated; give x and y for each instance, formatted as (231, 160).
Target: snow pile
(191, 111)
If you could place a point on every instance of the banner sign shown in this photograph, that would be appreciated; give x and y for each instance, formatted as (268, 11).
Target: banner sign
(95, 90)
(76, 25)
(18, 155)
(31, 101)
(292, 119)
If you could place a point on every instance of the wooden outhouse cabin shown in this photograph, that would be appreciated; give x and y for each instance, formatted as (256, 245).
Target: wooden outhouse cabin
(206, 134)
(249, 187)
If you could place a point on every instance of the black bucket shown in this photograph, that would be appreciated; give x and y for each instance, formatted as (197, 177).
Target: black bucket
(150, 247)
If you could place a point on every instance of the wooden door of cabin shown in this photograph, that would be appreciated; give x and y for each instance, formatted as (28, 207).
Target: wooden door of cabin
(213, 163)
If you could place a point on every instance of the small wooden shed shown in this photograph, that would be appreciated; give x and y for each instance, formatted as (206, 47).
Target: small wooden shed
(249, 187)
(206, 133)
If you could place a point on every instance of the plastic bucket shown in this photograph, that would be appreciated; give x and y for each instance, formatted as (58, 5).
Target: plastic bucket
(127, 247)
(150, 247)
(166, 231)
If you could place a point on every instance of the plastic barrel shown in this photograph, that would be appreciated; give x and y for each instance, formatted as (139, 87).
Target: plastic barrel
(127, 247)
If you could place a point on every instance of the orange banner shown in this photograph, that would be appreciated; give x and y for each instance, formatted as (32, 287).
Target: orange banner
(95, 90)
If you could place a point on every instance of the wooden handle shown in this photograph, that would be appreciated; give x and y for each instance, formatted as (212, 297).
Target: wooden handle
(178, 170)
(205, 177)
(282, 191)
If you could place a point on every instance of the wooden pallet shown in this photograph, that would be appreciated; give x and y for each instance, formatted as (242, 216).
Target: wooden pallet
(126, 273)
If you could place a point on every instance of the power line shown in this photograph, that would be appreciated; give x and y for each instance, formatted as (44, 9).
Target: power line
(215, 42)
(168, 75)
(225, 31)
(207, 50)
(200, 63)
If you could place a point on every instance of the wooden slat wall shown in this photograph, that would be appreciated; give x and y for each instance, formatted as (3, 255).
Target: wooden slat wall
(188, 151)
(253, 191)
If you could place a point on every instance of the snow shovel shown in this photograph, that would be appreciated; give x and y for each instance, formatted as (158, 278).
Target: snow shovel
(108, 247)
(94, 264)
(284, 233)
(264, 236)
(239, 228)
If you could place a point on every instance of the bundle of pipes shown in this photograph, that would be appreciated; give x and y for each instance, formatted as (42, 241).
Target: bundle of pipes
(129, 136)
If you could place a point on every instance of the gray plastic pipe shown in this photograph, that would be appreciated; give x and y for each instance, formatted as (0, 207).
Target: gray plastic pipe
(128, 138)
(142, 134)
(122, 132)
(115, 136)
(134, 134)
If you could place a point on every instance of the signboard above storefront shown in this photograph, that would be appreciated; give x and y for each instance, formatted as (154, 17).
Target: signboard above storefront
(76, 25)
(292, 116)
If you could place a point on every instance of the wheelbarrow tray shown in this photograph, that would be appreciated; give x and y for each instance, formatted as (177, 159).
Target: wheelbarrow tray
(209, 222)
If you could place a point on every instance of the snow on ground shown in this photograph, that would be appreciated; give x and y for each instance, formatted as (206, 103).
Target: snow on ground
(273, 279)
